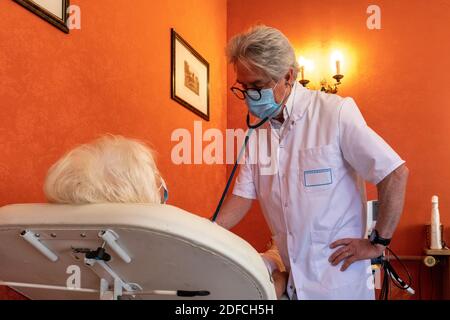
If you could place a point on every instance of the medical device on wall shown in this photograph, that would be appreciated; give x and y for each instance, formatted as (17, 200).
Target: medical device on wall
(125, 251)
(371, 217)
(435, 234)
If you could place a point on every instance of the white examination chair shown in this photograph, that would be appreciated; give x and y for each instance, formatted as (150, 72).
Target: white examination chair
(50, 251)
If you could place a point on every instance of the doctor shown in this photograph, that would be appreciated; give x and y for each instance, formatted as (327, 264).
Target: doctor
(313, 198)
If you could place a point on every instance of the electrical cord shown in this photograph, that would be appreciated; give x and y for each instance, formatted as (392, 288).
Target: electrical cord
(391, 276)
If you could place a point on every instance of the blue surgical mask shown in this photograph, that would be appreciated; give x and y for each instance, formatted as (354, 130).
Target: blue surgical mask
(266, 107)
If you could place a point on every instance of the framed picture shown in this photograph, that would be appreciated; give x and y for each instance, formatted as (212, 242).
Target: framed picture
(52, 11)
(190, 77)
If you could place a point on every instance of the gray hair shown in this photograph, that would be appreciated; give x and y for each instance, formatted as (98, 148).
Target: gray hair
(109, 169)
(265, 48)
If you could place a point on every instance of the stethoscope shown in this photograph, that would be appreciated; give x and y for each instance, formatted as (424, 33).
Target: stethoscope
(236, 163)
(251, 127)
(257, 125)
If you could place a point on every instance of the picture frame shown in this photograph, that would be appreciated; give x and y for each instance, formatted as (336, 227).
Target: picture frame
(52, 11)
(189, 77)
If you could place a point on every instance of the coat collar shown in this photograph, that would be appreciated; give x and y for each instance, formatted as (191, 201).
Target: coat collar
(298, 101)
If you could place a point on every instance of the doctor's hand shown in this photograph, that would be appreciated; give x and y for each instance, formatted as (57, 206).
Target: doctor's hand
(352, 250)
(280, 280)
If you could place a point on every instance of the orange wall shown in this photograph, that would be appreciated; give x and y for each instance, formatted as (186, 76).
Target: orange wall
(398, 77)
(112, 76)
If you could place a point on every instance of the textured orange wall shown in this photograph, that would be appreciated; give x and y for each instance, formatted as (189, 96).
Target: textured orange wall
(398, 77)
(112, 76)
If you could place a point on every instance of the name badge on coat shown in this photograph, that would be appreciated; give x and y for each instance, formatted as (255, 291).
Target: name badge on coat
(316, 178)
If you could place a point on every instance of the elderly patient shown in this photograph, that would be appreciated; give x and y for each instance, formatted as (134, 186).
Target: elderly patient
(120, 170)
(109, 169)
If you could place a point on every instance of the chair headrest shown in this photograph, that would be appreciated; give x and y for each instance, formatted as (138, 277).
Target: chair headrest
(167, 249)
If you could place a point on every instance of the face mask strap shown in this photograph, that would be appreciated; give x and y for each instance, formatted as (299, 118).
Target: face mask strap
(276, 84)
(285, 95)
(279, 82)
(165, 192)
(279, 105)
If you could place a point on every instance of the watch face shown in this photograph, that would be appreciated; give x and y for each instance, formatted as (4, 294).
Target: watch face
(372, 236)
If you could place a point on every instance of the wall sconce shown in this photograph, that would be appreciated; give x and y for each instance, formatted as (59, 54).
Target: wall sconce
(336, 59)
(307, 65)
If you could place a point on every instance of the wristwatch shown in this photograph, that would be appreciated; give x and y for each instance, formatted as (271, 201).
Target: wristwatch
(376, 239)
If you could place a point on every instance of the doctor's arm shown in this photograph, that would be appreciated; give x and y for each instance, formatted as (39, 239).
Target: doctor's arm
(375, 161)
(233, 211)
(391, 196)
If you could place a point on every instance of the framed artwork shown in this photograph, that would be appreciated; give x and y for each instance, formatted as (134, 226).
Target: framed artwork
(52, 11)
(190, 77)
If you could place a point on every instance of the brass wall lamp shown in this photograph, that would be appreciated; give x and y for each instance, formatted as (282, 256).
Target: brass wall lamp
(336, 59)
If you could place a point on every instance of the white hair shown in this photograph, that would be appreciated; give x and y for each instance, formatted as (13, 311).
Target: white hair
(265, 48)
(109, 169)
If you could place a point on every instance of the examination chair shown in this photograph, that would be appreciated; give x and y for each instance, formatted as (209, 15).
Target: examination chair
(125, 251)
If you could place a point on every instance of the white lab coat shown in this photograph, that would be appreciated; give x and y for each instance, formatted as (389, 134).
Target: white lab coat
(312, 192)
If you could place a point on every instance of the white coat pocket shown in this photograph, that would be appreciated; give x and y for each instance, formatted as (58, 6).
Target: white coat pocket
(329, 276)
(318, 168)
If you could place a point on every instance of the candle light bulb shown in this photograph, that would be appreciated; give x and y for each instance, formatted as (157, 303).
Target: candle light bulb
(301, 62)
(305, 65)
(336, 61)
